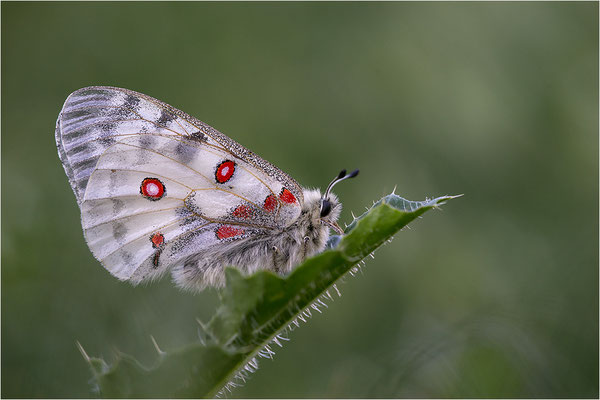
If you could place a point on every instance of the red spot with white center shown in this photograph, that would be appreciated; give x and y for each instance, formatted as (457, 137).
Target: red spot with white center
(243, 212)
(287, 197)
(152, 189)
(270, 203)
(157, 240)
(225, 171)
(228, 231)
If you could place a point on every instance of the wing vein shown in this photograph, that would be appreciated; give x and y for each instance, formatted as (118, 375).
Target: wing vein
(131, 215)
(170, 158)
(145, 172)
(121, 196)
(141, 236)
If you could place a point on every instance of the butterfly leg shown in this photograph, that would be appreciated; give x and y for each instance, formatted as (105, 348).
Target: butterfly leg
(305, 242)
(282, 257)
(276, 257)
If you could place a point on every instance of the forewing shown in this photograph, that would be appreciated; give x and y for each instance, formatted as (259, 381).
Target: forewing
(94, 118)
(156, 186)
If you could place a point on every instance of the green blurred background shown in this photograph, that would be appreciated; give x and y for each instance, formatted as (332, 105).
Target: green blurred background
(495, 296)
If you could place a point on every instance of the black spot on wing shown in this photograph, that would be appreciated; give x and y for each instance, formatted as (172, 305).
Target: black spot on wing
(118, 205)
(119, 231)
(165, 117)
(108, 128)
(120, 113)
(131, 102)
(198, 136)
(107, 141)
(114, 182)
(126, 256)
(145, 142)
(185, 153)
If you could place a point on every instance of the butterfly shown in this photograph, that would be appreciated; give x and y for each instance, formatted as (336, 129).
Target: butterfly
(161, 191)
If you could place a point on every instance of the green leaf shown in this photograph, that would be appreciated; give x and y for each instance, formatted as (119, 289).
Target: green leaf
(256, 312)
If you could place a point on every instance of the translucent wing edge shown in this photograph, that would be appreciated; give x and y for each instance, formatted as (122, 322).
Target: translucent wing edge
(64, 159)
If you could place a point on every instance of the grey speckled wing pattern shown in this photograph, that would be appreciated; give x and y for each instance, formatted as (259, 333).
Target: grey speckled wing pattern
(158, 188)
(95, 117)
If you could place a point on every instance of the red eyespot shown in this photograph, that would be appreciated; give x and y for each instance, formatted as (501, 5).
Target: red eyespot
(287, 197)
(225, 171)
(270, 203)
(152, 189)
(157, 240)
(227, 231)
(243, 211)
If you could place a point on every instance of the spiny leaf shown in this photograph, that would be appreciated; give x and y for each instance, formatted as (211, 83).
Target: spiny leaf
(254, 311)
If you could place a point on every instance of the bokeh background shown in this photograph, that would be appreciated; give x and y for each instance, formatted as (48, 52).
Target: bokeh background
(495, 296)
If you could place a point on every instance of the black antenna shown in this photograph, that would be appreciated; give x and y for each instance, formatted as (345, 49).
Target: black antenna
(341, 177)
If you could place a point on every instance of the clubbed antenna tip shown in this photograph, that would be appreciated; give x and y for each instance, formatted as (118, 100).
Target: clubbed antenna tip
(341, 176)
(353, 173)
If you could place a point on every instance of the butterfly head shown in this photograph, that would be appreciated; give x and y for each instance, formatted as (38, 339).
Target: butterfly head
(329, 205)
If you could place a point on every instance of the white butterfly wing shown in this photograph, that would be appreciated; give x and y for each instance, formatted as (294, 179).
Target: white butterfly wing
(155, 185)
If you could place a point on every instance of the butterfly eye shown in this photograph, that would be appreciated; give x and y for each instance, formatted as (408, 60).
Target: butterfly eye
(325, 203)
(325, 207)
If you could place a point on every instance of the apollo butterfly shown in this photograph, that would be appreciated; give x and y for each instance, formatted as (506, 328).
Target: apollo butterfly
(162, 191)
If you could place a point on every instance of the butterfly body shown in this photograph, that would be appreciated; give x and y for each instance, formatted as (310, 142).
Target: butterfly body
(278, 250)
(161, 191)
